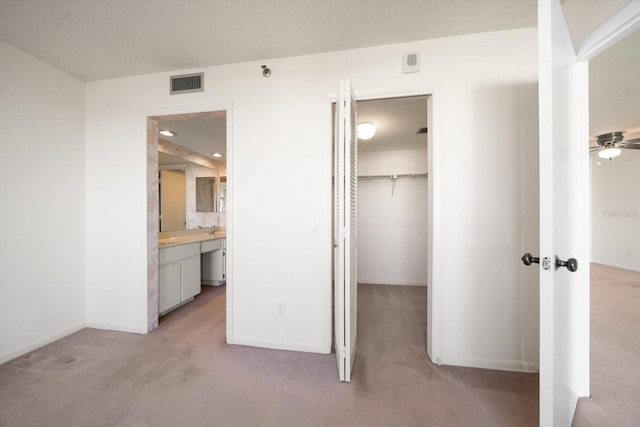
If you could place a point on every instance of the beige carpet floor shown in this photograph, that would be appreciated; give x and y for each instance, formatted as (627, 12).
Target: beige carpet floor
(615, 350)
(183, 374)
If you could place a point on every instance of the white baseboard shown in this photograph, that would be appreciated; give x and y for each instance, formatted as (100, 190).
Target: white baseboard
(496, 364)
(26, 348)
(278, 345)
(615, 265)
(117, 328)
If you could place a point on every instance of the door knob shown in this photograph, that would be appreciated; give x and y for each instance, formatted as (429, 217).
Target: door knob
(528, 259)
(571, 264)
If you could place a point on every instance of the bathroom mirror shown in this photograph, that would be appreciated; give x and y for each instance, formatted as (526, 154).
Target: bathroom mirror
(197, 140)
(206, 194)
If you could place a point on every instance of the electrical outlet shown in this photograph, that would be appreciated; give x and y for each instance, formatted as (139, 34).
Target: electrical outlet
(281, 309)
(631, 253)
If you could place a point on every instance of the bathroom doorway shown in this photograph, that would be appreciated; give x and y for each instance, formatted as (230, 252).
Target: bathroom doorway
(194, 145)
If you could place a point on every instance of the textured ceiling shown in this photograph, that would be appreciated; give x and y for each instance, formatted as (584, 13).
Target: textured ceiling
(614, 89)
(397, 122)
(100, 39)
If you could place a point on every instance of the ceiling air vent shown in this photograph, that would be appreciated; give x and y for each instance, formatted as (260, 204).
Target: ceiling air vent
(421, 131)
(187, 83)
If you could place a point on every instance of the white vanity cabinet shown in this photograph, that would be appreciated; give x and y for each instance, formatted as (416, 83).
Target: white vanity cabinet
(178, 275)
(213, 262)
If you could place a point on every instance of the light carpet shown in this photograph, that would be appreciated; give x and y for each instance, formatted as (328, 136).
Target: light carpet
(183, 374)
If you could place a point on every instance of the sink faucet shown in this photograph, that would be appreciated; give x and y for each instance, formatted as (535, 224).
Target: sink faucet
(212, 230)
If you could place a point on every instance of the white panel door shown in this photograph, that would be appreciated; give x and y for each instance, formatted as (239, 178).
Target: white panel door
(345, 232)
(564, 219)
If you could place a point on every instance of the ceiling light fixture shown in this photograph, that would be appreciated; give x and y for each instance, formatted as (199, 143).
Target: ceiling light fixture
(609, 153)
(216, 155)
(165, 132)
(366, 130)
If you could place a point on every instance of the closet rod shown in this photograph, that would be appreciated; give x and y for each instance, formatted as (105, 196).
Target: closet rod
(396, 176)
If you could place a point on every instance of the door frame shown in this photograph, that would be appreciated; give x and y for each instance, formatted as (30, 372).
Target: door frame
(434, 196)
(150, 118)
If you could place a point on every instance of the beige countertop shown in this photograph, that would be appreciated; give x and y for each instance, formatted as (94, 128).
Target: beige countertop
(166, 242)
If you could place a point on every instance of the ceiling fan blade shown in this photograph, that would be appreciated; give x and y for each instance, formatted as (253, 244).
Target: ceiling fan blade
(594, 149)
(630, 143)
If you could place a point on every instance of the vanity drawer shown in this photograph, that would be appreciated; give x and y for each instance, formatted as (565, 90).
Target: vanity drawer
(177, 253)
(210, 245)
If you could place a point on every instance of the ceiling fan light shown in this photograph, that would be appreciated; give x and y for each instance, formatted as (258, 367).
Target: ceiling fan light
(366, 130)
(609, 153)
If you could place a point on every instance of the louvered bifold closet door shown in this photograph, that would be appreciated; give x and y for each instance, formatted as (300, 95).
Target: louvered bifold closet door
(346, 244)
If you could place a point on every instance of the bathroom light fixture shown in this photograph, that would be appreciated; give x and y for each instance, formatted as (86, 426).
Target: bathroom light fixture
(609, 153)
(165, 132)
(366, 130)
(216, 155)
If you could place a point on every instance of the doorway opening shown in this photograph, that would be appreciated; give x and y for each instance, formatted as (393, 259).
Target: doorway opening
(393, 193)
(393, 227)
(186, 220)
(393, 213)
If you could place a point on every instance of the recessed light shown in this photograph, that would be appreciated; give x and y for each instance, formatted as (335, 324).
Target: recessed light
(165, 132)
(217, 155)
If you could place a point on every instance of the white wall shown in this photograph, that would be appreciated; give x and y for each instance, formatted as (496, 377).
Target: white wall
(41, 203)
(615, 198)
(280, 175)
(392, 226)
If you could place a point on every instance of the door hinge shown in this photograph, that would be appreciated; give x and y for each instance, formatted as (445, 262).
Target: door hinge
(546, 263)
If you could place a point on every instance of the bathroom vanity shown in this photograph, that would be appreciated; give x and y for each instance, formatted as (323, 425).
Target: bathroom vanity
(178, 275)
(185, 262)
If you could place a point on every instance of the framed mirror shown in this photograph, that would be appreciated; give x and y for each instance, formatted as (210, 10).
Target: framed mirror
(206, 194)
